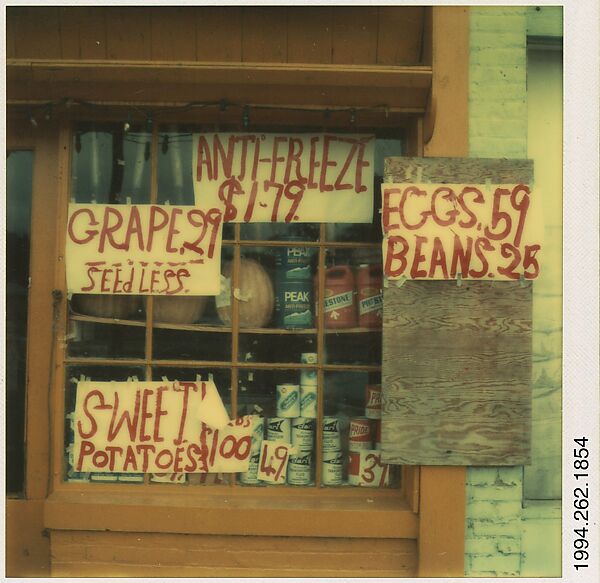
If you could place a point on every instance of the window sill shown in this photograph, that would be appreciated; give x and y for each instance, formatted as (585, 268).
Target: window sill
(281, 514)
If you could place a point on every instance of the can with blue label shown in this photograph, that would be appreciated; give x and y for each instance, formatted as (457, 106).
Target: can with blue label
(288, 400)
(293, 303)
(294, 263)
(299, 468)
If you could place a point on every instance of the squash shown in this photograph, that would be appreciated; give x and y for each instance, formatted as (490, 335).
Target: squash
(178, 309)
(256, 297)
(106, 305)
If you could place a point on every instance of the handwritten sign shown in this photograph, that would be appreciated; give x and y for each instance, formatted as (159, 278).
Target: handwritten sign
(365, 469)
(143, 250)
(475, 231)
(273, 461)
(285, 177)
(157, 427)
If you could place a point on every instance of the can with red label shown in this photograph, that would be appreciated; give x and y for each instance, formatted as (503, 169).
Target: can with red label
(369, 280)
(373, 402)
(339, 297)
(359, 437)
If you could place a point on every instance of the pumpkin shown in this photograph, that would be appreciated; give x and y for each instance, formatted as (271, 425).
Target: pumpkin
(106, 305)
(256, 296)
(178, 309)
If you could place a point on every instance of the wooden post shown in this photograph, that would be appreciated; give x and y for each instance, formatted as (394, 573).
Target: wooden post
(442, 505)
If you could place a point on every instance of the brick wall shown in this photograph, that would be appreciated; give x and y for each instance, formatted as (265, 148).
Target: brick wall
(497, 128)
(500, 534)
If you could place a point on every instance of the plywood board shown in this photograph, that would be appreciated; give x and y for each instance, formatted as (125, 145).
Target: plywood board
(456, 373)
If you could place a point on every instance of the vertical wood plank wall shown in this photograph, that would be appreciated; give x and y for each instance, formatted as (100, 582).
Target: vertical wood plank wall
(352, 35)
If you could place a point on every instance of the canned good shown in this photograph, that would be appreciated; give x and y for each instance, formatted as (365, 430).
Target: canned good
(359, 437)
(331, 434)
(288, 400)
(373, 402)
(251, 476)
(303, 433)
(369, 282)
(308, 358)
(308, 377)
(299, 469)
(279, 429)
(258, 432)
(294, 263)
(365, 469)
(293, 303)
(308, 401)
(331, 468)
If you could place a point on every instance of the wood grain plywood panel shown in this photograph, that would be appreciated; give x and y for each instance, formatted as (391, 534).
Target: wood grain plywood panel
(219, 33)
(400, 35)
(456, 373)
(36, 32)
(83, 32)
(106, 553)
(459, 170)
(264, 35)
(128, 33)
(355, 35)
(310, 34)
(173, 33)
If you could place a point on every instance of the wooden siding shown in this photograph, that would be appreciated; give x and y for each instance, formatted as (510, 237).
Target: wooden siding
(389, 35)
(106, 554)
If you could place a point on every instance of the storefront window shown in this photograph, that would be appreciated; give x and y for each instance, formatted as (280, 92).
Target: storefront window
(275, 343)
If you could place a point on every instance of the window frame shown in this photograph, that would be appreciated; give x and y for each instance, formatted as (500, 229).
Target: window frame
(379, 512)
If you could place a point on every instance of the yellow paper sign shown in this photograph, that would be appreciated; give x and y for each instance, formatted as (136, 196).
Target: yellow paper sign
(143, 250)
(472, 231)
(285, 177)
(157, 426)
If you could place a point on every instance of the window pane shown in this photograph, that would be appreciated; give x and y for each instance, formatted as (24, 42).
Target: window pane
(353, 306)
(19, 173)
(110, 165)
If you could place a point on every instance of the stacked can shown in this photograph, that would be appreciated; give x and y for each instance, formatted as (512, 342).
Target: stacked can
(258, 430)
(300, 463)
(308, 386)
(333, 459)
(294, 290)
